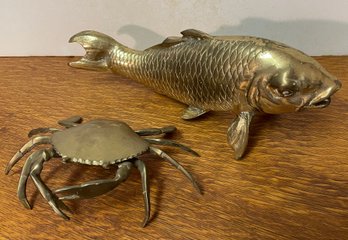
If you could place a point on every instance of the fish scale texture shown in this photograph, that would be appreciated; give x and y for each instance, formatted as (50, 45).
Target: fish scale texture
(204, 73)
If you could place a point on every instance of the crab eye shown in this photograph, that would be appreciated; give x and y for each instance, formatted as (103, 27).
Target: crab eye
(287, 93)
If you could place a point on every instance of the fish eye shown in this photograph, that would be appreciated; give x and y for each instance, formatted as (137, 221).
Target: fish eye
(287, 93)
(284, 85)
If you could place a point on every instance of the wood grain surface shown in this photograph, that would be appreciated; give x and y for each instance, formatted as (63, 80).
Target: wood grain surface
(292, 184)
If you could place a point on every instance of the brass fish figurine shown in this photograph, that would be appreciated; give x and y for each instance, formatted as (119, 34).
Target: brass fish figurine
(240, 74)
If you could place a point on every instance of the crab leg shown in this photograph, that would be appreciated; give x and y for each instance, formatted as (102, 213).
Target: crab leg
(38, 158)
(33, 167)
(145, 185)
(26, 148)
(95, 188)
(155, 131)
(42, 130)
(21, 192)
(171, 143)
(169, 159)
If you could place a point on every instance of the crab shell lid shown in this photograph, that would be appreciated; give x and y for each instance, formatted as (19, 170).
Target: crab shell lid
(99, 142)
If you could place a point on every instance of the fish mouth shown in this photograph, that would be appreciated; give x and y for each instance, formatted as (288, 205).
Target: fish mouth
(323, 99)
(320, 104)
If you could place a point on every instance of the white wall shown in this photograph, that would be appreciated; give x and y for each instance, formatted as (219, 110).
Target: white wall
(43, 27)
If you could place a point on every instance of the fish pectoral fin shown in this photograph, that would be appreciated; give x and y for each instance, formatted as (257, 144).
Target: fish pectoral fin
(192, 112)
(238, 133)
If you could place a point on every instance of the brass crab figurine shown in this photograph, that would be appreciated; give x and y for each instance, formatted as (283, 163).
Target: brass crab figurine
(97, 142)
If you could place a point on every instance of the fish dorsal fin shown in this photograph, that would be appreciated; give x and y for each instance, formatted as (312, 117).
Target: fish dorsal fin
(189, 33)
(168, 42)
(193, 33)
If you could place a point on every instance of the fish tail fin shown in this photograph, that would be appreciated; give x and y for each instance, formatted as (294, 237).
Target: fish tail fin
(98, 47)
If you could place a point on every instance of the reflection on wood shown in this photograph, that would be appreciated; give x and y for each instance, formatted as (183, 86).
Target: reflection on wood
(292, 184)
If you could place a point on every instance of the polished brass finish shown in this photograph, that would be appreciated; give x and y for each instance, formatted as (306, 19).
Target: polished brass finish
(220, 73)
(98, 142)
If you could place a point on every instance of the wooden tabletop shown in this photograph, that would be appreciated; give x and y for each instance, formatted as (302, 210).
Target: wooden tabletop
(292, 184)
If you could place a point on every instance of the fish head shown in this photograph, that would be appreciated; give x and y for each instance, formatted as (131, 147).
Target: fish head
(291, 81)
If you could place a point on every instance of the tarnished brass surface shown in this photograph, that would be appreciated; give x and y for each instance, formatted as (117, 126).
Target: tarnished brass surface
(220, 73)
(97, 142)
